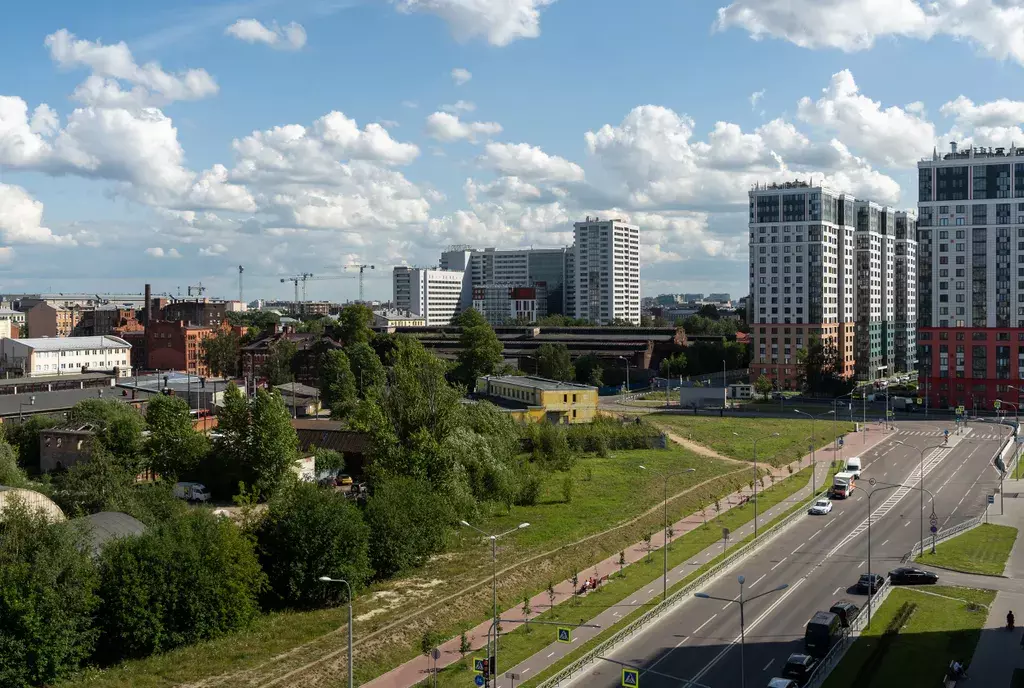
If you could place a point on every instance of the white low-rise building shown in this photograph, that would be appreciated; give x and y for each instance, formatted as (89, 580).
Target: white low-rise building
(44, 357)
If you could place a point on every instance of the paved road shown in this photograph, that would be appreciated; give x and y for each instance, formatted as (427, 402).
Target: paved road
(819, 558)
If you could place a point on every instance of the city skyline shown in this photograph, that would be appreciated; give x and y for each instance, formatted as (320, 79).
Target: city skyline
(170, 146)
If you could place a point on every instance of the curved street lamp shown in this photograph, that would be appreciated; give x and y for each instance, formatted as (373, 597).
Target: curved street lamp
(665, 477)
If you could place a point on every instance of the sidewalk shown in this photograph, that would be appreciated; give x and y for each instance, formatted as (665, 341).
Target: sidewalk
(416, 670)
(999, 653)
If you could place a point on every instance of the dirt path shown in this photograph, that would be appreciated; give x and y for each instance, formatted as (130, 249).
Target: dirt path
(698, 448)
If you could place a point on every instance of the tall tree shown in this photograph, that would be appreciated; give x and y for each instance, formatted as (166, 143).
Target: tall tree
(674, 365)
(367, 370)
(192, 578)
(481, 352)
(25, 439)
(223, 353)
(337, 384)
(708, 310)
(553, 362)
(589, 370)
(277, 368)
(47, 599)
(818, 365)
(174, 447)
(408, 523)
(118, 427)
(763, 386)
(311, 532)
(354, 323)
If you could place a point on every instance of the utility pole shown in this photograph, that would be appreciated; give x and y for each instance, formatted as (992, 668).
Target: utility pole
(241, 299)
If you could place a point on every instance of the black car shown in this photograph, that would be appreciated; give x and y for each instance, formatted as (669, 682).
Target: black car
(869, 583)
(799, 668)
(846, 611)
(906, 575)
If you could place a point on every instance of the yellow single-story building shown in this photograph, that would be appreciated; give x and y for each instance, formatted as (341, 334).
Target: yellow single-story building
(538, 399)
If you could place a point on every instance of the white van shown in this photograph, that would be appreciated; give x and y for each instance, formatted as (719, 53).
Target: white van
(853, 466)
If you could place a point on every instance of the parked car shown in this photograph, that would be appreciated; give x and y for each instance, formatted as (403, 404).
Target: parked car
(344, 479)
(783, 683)
(846, 611)
(799, 668)
(821, 506)
(869, 583)
(907, 575)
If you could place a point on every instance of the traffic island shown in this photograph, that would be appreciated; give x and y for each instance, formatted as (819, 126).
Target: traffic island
(983, 550)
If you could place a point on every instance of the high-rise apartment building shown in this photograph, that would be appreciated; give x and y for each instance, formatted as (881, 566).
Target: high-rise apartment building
(435, 295)
(540, 268)
(971, 276)
(801, 276)
(875, 270)
(905, 328)
(606, 271)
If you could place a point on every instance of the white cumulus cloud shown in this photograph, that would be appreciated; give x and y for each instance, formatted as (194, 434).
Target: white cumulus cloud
(530, 163)
(21, 219)
(500, 22)
(461, 75)
(446, 127)
(158, 252)
(291, 36)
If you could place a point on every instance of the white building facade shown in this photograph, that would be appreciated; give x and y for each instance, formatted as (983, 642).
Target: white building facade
(434, 295)
(606, 271)
(67, 355)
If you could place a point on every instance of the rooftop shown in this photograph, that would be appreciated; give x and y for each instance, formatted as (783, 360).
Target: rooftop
(396, 314)
(74, 343)
(535, 382)
(299, 389)
(13, 405)
(108, 525)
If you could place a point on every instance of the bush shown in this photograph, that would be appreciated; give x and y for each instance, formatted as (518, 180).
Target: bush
(191, 578)
(310, 532)
(551, 446)
(408, 523)
(531, 482)
(47, 599)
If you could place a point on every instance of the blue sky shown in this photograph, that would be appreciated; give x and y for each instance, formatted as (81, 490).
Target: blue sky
(173, 144)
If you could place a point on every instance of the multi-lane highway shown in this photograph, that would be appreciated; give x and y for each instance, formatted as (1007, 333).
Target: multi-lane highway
(819, 558)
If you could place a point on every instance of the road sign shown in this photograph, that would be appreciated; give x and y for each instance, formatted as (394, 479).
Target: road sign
(725, 533)
(478, 679)
(513, 675)
(934, 520)
(959, 410)
(991, 499)
(871, 481)
(934, 529)
(478, 665)
(564, 634)
(840, 441)
(996, 404)
(436, 654)
(945, 433)
(920, 401)
(630, 678)
(890, 414)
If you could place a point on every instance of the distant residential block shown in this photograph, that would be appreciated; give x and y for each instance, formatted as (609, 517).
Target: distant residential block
(66, 355)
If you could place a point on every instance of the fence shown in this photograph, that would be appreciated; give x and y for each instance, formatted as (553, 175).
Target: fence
(943, 535)
(686, 592)
(837, 653)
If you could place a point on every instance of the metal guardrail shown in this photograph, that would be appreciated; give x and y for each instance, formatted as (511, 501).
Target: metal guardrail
(687, 591)
(943, 535)
(836, 654)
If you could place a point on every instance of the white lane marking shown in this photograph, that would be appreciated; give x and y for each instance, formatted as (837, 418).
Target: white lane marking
(575, 639)
(861, 564)
(815, 533)
(884, 543)
(632, 601)
(697, 630)
(651, 591)
(906, 524)
(780, 563)
(768, 665)
(758, 580)
(797, 549)
(524, 670)
(837, 590)
(551, 655)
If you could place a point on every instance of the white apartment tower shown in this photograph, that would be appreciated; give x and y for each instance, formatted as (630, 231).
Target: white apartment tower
(905, 337)
(541, 268)
(434, 295)
(606, 271)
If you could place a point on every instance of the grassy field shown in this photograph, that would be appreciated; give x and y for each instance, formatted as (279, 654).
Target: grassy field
(984, 549)
(607, 495)
(802, 477)
(792, 443)
(940, 629)
(522, 643)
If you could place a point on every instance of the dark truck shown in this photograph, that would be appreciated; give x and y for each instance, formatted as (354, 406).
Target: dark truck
(823, 631)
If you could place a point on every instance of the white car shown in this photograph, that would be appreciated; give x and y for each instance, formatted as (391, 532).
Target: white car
(822, 506)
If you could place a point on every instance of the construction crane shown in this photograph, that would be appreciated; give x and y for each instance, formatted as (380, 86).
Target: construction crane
(199, 290)
(240, 271)
(295, 279)
(361, 268)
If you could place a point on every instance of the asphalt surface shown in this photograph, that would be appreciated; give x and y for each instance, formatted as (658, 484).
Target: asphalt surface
(819, 558)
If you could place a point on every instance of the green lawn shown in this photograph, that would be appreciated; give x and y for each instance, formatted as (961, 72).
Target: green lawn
(939, 630)
(792, 443)
(984, 549)
(607, 493)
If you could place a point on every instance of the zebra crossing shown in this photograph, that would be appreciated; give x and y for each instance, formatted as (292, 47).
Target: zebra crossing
(938, 433)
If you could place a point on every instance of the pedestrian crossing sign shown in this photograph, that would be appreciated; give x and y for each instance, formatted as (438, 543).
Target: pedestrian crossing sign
(630, 678)
(478, 665)
(564, 634)
(997, 404)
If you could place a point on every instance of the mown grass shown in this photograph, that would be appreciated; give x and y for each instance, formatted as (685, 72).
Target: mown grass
(607, 493)
(984, 550)
(939, 630)
(734, 437)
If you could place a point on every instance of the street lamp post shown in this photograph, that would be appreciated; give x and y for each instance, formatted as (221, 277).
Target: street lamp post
(494, 577)
(664, 549)
(328, 579)
(871, 582)
(756, 475)
(1016, 416)
(921, 483)
(741, 601)
(814, 461)
(626, 361)
(21, 407)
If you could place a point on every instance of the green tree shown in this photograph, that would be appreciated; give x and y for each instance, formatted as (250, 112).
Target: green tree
(11, 475)
(553, 362)
(310, 532)
(354, 323)
(337, 384)
(589, 370)
(408, 523)
(174, 447)
(118, 427)
(192, 578)
(367, 370)
(708, 310)
(674, 365)
(820, 369)
(103, 483)
(24, 437)
(481, 352)
(328, 460)
(263, 320)
(277, 368)
(47, 599)
(223, 353)
(763, 386)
